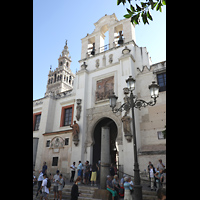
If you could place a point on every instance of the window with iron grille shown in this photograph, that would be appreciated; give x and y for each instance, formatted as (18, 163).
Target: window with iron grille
(162, 81)
(66, 141)
(68, 116)
(37, 122)
(55, 161)
(48, 143)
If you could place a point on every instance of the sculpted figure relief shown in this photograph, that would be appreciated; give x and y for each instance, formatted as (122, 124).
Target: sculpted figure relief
(75, 132)
(78, 109)
(127, 127)
(126, 124)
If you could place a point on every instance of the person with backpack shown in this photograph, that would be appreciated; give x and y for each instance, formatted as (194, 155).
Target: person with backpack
(45, 187)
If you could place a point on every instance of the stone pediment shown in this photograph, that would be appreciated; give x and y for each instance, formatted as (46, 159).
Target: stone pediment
(107, 19)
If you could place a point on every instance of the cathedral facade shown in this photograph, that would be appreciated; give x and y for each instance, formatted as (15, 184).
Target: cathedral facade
(84, 98)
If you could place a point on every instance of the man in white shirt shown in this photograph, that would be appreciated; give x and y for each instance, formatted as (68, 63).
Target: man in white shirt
(151, 174)
(40, 179)
(45, 190)
(73, 168)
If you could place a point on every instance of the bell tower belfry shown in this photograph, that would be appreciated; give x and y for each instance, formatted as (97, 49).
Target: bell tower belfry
(62, 78)
(119, 32)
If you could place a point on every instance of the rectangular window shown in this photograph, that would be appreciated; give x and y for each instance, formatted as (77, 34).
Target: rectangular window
(160, 135)
(68, 116)
(55, 161)
(37, 122)
(162, 81)
(66, 141)
(48, 143)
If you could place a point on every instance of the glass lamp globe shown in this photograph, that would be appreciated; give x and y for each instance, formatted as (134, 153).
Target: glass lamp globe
(113, 100)
(130, 83)
(154, 89)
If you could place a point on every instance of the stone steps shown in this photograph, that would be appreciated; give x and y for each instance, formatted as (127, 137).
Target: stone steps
(87, 193)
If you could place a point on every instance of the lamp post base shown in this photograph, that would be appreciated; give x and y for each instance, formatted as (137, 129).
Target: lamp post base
(137, 192)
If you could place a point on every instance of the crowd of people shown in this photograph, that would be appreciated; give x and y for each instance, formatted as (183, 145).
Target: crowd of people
(44, 184)
(157, 176)
(88, 174)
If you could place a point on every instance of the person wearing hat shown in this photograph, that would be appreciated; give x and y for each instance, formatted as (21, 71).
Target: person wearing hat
(55, 181)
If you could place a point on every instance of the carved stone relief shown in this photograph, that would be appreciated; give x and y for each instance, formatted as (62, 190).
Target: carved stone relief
(94, 115)
(104, 88)
(56, 144)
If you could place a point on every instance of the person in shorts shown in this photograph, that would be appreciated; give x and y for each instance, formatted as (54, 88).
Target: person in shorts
(60, 186)
(55, 181)
(45, 190)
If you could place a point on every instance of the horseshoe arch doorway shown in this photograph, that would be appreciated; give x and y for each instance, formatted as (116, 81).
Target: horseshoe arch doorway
(97, 139)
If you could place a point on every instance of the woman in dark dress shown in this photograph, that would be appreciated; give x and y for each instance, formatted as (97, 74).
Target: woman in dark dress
(74, 190)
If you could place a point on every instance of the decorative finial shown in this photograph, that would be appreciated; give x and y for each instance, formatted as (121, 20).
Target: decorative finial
(50, 67)
(65, 42)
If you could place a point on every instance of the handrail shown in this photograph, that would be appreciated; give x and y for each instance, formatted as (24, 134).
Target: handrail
(133, 176)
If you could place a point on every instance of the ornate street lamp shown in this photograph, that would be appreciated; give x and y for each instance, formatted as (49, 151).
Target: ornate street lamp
(131, 103)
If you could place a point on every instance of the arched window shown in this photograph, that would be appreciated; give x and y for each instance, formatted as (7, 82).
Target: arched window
(70, 78)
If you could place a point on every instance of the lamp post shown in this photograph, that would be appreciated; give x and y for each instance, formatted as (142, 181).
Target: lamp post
(131, 103)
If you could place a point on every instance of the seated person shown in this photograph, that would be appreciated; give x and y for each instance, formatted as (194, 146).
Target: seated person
(110, 187)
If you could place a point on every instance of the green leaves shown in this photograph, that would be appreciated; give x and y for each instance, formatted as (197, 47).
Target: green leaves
(121, 1)
(142, 10)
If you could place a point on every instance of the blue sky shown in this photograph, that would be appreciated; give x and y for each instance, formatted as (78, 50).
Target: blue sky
(54, 21)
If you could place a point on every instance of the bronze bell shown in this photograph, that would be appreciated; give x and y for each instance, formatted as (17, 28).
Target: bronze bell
(93, 49)
(121, 40)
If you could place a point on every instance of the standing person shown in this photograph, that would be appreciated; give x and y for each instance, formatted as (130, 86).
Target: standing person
(163, 179)
(148, 170)
(115, 169)
(98, 172)
(74, 190)
(44, 168)
(110, 187)
(51, 179)
(112, 171)
(45, 190)
(160, 165)
(127, 188)
(87, 172)
(34, 180)
(73, 171)
(40, 179)
(80, 167)
(152, 172)
(60, 186)
(156, 176)
(55, 181)
(94, 174)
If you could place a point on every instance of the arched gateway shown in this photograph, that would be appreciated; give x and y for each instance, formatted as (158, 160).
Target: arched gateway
(105, 122)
